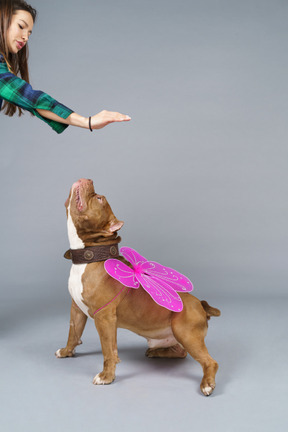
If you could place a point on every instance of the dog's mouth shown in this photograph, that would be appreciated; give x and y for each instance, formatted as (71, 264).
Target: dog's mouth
(79, 191)
(78, 199)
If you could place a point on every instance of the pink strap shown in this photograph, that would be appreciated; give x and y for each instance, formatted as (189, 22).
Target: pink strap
(98, 310)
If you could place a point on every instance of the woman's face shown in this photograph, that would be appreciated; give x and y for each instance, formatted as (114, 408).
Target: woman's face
(19, 31)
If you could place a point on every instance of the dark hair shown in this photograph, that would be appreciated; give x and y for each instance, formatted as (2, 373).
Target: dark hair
(17, 63)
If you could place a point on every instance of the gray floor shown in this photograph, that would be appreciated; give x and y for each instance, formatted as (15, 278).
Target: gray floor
(40, 392)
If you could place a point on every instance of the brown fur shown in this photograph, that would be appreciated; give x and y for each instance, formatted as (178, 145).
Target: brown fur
(132, 309)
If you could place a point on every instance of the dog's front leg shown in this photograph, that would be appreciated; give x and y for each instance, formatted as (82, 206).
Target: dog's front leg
(105, 322)
(77, 324)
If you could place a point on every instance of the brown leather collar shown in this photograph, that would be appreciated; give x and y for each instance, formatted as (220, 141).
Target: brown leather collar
(92, 254)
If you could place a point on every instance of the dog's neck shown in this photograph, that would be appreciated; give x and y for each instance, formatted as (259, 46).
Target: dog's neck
(74, 240)
(94, 239)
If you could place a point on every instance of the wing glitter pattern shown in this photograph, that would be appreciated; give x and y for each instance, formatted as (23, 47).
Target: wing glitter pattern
(160, 282)
(132, 256)
(121, 272)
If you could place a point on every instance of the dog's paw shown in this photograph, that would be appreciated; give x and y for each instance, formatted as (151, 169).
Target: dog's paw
(63, 352)
(101, 379)
(207, 388)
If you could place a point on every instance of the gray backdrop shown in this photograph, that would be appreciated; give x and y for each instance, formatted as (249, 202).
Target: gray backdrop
(199, 175)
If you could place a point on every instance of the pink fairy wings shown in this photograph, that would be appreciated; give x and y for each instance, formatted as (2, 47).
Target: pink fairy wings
(161, 283)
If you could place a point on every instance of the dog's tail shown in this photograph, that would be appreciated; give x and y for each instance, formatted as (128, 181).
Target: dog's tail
(210, 311)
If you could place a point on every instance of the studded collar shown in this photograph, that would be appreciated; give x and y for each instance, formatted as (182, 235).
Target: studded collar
(91, 254)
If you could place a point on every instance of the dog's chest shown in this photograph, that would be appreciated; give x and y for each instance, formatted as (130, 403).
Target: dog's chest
(75, 286)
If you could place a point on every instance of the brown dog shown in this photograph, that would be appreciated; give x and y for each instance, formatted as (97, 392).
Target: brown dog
(92, 229)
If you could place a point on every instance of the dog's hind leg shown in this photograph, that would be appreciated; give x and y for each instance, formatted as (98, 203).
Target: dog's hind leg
(190, 330)
(77, 324)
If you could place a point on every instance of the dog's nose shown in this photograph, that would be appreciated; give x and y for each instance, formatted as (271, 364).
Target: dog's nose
(83, 180)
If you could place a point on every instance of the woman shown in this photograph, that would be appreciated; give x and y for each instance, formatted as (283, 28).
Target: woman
(16, 23)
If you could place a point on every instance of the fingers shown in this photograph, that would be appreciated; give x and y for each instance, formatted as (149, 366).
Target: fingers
(114, 116)
(104, 118)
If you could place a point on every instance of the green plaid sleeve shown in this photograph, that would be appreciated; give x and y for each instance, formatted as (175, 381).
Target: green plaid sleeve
(19, 92)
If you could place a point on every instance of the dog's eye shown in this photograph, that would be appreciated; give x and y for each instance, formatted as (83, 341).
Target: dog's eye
(99, 198)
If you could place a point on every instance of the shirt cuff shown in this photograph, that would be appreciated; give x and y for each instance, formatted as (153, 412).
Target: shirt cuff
(62, 112)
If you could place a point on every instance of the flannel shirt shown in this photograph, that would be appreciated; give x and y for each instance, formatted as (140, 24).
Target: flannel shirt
(17, 91)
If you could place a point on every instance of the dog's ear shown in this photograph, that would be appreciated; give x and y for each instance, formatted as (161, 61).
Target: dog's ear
(115, 225)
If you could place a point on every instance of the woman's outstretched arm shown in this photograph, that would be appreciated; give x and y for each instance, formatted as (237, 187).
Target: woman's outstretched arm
(98, 121)
(58, 116)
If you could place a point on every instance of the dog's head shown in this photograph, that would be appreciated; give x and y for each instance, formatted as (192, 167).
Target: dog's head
(90, 213)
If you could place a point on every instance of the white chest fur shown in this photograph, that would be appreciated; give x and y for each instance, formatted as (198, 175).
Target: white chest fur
(75, 284)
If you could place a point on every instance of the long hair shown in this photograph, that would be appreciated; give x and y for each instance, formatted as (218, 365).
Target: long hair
(17, 63)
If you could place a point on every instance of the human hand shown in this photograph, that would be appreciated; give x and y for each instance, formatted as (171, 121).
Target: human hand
(104, 118)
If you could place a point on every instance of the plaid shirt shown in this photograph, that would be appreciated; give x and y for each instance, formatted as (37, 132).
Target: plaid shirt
(17, 91)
